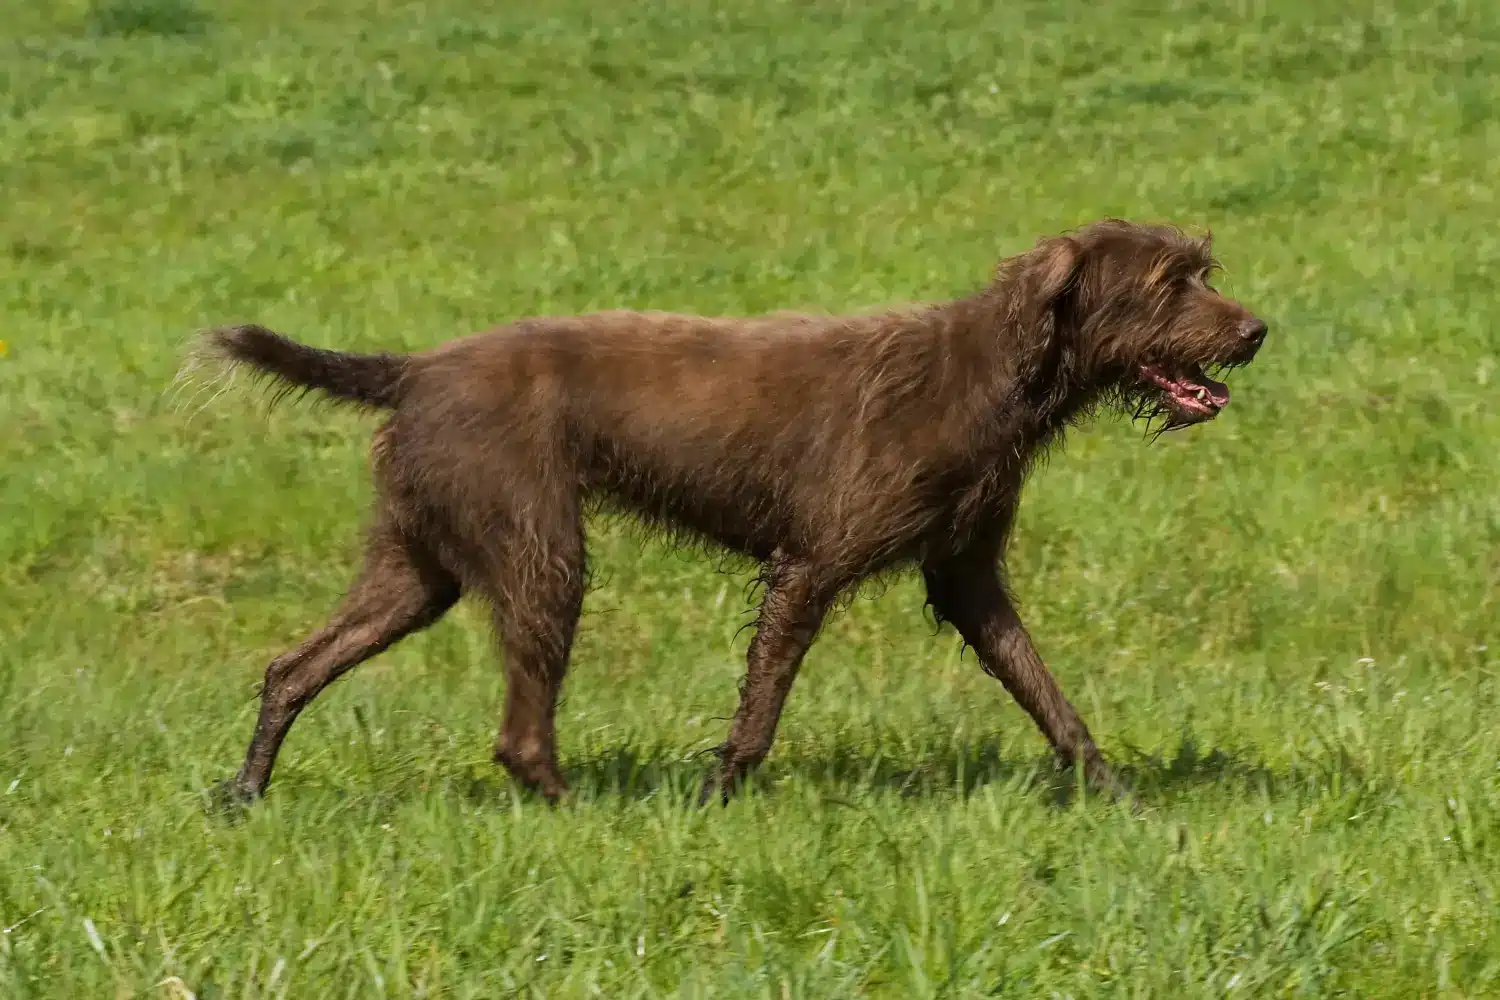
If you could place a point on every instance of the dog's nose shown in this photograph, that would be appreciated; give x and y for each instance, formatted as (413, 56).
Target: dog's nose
(1253, 331)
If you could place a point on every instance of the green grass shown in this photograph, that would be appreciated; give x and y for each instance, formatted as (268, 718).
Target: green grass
(1282, 625)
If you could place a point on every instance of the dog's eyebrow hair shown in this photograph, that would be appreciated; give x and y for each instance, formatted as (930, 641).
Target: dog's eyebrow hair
(1166, 262)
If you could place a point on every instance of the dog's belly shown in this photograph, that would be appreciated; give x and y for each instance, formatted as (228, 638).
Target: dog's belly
(683, 519)
(741, 517)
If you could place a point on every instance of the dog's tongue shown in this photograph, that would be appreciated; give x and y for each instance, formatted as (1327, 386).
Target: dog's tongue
(1218, 392)
(1192, 389)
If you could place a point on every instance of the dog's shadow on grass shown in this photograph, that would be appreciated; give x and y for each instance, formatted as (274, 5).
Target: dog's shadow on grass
(952, 771)
(853, 772)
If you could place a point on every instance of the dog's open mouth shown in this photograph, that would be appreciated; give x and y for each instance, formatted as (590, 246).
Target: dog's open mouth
(1188, 392)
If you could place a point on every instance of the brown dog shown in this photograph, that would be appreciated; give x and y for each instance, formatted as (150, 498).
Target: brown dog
(826, 448)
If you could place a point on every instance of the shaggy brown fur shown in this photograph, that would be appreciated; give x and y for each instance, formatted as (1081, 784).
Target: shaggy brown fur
(826, 448)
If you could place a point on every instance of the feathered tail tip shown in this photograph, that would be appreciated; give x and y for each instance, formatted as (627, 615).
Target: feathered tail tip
(371, 380)
(208, 370)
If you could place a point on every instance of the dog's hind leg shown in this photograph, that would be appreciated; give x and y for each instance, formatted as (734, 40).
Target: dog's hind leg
(791, 612)
(968, 594)
(400, 590)
(537, 591)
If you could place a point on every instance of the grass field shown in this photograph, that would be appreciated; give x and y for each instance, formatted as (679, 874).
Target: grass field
(1282, 625)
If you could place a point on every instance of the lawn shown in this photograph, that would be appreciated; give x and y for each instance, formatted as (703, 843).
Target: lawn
(1282, 626)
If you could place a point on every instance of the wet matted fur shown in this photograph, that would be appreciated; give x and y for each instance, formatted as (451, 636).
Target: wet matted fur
(826, 448)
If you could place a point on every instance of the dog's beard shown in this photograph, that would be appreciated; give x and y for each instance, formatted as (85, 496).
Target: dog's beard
(1159, 418)
(1148, 407)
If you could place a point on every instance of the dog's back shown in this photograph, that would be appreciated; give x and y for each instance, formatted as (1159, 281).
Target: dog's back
(748, 432)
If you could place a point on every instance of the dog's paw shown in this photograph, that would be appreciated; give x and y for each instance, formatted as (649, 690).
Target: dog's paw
(229, 799)
(715, 790)
(1102, 781)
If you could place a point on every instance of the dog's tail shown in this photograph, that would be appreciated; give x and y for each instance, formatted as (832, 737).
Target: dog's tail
(372, 380)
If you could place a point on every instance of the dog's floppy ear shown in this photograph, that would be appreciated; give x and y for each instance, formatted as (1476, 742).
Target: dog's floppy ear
(1050, 269)
(1043, 281)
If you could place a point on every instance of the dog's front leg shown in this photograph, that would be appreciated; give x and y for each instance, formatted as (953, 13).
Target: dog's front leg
(791, 612)
(968, 594)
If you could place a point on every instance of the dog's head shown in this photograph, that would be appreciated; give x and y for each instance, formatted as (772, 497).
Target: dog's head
(1128, 312)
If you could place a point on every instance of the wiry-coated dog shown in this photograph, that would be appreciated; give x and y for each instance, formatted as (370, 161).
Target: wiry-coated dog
(826, 448)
